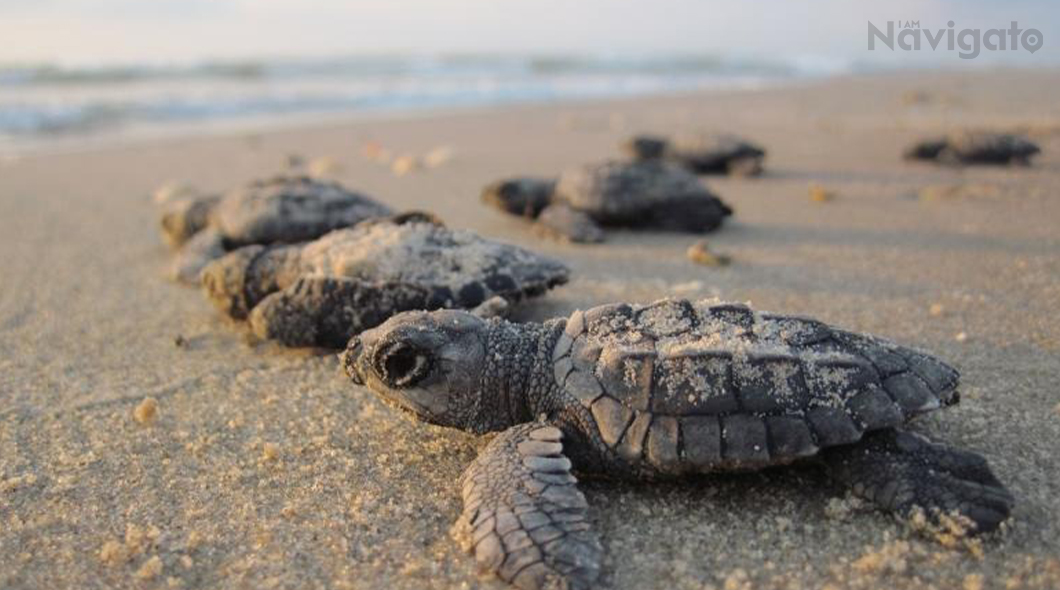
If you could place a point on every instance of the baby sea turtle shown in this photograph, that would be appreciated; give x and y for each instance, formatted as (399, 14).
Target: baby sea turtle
(284, 209)
(667, 389)
(323, 292)
(972, 147)
(628, 194)
(700, 153)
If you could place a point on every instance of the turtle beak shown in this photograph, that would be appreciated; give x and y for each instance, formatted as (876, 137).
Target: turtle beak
(351, 360)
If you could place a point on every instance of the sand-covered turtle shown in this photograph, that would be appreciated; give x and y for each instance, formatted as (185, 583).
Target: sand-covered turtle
(673, 388)
(701, 153)
(975, 147)
(323, 292)
(284, 209)
(651, 194)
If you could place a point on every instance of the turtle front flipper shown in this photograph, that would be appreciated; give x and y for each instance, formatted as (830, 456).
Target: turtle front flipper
(901, 472)
(925, 150)
(565, 222)
(524, 517)
(494, 307)
(328, 311)
(195, 254)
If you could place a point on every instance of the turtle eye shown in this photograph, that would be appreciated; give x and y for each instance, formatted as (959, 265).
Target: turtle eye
(402, 365)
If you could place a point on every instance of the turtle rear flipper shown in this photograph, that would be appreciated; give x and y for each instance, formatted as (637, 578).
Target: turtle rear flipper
(1022, 160)
(744, 166)
(902, 472)
(328, 311)
(524, 517)
(695, 213)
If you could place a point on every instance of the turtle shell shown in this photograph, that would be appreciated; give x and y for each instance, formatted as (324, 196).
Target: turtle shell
(289, 209)
(713, 147)
(974, 147)
(625, 192)
(460, 268)
(990, 147)
(680, 386)
(700, 152)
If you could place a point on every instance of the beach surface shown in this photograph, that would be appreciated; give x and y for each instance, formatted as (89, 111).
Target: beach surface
(259, 467)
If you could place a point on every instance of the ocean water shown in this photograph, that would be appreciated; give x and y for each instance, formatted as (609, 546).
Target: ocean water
(43, 105)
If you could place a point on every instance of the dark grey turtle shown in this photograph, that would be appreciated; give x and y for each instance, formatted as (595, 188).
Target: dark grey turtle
(971, 147)
(284, 209)
(322, 293)
(626, 194)
(700, 153)
(668, 389)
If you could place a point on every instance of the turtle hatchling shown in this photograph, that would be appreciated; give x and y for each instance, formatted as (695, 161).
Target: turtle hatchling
(323, 292)
(673, 388)
(700, 153)
(972, 147)
(284, 209)
(625, 194)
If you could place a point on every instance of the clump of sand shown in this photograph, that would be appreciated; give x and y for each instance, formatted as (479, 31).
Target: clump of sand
(953, 531)
(323, 167)
(137, 541)
(407, 163)
(701, 254)
(146, 411)
(820, 194)
(151, 568)
(270, 452)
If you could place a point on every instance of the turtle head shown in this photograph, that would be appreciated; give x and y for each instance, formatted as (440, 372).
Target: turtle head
(427, 363)
(645, 147)
(526, 197)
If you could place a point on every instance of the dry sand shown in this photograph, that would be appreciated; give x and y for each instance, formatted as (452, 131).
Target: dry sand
(256, 467)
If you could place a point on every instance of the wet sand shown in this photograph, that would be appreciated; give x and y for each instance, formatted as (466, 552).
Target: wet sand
(263, 468)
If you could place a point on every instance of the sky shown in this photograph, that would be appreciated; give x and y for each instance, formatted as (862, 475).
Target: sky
(78, 32)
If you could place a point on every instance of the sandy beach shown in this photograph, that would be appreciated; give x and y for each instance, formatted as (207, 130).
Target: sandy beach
(262, 467)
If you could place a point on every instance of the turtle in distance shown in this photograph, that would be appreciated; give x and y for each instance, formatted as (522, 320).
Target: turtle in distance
(975, 147)
(700, 153)
(583, 200)
(283, 209)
